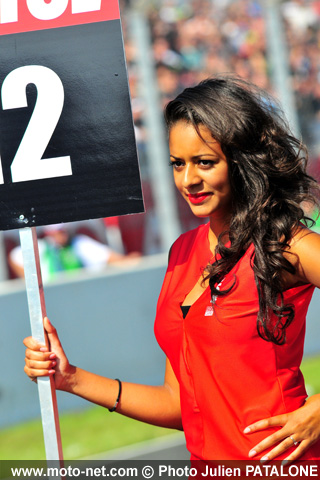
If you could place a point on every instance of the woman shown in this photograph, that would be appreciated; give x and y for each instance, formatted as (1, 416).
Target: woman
(232, 308)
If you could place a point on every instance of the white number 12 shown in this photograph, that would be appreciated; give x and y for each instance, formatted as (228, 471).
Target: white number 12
(28, 164)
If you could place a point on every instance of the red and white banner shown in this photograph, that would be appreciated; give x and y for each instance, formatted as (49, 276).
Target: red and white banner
(18, 16)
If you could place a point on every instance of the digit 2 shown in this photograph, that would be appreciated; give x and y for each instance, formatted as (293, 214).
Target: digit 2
(28, 164)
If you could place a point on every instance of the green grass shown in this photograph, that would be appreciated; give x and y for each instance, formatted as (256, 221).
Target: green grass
(311, 372)
(84, 433)
(95, 430)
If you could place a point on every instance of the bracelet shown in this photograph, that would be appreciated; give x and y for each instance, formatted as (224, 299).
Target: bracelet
(118, 397)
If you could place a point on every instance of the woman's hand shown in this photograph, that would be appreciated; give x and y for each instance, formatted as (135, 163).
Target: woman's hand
(300, 428)
(42, 362)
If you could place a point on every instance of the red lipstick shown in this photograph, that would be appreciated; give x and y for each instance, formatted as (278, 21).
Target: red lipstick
(198, 198)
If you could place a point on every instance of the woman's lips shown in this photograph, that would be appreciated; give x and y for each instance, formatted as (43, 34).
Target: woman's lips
(197, 198)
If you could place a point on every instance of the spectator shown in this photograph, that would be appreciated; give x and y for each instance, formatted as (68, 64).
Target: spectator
(61, 252)
(196, 39)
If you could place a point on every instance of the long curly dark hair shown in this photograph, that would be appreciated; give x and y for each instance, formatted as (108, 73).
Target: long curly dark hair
(267, 170)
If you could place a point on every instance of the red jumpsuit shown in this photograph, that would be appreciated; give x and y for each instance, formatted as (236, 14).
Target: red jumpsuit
(229, 376)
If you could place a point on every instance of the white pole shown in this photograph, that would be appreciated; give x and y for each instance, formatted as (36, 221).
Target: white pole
(3, 259)
(279, 61)
(37, 311)
(158, 155)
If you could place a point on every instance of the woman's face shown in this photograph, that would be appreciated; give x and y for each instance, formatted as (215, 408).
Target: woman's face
(200, 170)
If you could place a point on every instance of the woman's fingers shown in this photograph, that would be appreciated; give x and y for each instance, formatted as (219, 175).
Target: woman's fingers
(33, 373)
(271, 440)
(36, 364)
(53, 337)
(277, 421)
(277, 451)
(282, 447)
(37, 351)
(268, 442)
(39, 356)
(39, 363)
(297, 453)
(33, 344)
(42, 361)
(300, 429)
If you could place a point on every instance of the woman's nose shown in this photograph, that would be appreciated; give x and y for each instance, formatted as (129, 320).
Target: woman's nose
(190, 176)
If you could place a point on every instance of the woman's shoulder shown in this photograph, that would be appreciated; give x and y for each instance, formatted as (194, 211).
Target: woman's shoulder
(187, 239)
(304, 254)
(303, 237)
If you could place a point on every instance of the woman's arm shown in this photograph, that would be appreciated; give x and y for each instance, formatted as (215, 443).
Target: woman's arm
(302, 425)
(304, 254)
(157, 405)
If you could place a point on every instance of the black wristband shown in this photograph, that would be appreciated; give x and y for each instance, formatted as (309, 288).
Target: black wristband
(114, 408)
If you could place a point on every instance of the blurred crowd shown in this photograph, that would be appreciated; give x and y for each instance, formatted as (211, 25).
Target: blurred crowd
(195, 39)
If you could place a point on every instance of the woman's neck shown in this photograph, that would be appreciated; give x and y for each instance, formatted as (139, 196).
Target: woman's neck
(217, 226)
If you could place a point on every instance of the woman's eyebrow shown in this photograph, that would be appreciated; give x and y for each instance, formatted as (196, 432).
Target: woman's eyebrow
(197, 156)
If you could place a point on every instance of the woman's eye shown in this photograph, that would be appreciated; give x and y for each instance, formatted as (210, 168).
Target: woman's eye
(206, 163)
(175, 163)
